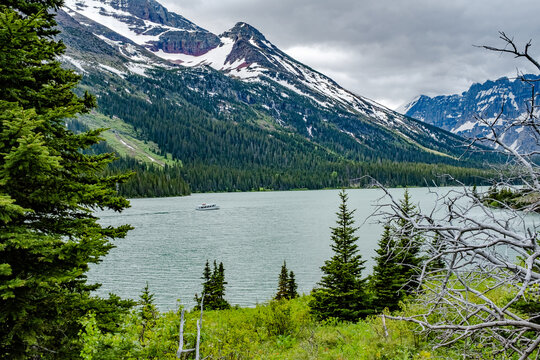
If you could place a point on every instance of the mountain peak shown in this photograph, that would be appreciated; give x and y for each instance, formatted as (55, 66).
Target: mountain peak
(244, 31)
(153, 11)
(504, 98)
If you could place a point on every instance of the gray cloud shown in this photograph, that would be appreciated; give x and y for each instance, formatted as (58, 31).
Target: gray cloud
(389, 51)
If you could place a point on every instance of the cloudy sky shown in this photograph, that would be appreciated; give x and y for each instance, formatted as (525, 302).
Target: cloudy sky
(389, 51)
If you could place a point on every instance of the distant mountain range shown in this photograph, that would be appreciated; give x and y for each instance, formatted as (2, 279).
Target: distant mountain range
(460, 113)
(231, 104)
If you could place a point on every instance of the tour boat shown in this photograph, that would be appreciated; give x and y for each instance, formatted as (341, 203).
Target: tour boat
(207, 207)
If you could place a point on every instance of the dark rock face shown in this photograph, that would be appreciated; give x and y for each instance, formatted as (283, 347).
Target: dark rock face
(244, 31)
(153, 11)
(194, 41)
(184, 42)
(250, 46)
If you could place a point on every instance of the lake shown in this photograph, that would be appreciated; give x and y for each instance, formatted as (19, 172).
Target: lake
(252, 234)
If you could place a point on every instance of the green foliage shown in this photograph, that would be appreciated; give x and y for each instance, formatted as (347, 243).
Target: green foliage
(342, 291)
(408, 246)
(147, 312)
(398, 261)
(508, 198)
(148, 179)
(386, 282)
(48, 191)
(278, 330)
(286, 284)
(213, 294)
(89, 335)
(292, 287)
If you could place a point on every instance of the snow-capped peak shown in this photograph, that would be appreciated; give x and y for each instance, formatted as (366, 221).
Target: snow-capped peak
(146, 23)
(403, 108)
(242, 52)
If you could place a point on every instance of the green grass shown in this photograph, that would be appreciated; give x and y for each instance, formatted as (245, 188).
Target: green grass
(275, 330)
(123, 138)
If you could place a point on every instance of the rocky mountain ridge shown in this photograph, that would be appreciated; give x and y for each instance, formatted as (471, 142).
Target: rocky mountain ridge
(234, 101)
(241, 52)
(464, 114)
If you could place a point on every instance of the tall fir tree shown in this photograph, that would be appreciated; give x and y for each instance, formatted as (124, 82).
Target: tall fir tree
(147, 312)
(283, 285)
(386, 282)
(398, 261)
(49, 190)
(219, 288)
(408, 246)
(435, 255)
(207, 286)
(213, 288)
(292, 287)
(342, 291)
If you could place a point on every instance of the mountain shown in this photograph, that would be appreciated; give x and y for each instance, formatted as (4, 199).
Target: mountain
(461, 113)
(237, 111)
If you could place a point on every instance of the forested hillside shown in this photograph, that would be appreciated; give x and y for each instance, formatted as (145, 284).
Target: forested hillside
(283, 127)
(227, 145)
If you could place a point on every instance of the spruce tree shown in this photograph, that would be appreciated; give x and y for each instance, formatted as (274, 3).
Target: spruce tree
(341, 293)
(398, 261)
(283, 285)
(386, 282)
(219, 288)
(49, 190)
(147, 312)
(213, 288)
(292, 287)
(408, 246)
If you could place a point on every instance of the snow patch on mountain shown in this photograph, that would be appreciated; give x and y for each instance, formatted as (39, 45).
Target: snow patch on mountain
(139, 69)
(290, 86)
(214, 58)
(111, 18)
(469, 125)
(403, 108)
(77, 63)
(120, 73)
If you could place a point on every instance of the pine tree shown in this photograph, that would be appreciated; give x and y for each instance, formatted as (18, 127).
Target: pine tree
(283, 285)
(398, 261)
(341, 293)
(408, 246)
(147, 312)
(48, 191)
(292, 287)
(219, 288)
(213, 288)
(207, 286)
(386, 281)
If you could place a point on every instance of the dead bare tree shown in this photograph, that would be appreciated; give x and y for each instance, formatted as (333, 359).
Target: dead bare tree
(181, 351)
(486, 296)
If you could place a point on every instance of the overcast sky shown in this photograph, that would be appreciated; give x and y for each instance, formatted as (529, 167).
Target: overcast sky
(389, 51)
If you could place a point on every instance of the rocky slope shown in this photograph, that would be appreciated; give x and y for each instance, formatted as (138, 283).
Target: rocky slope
(464, 114)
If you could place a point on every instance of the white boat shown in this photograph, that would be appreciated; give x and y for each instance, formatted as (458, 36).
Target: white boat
(207, 207)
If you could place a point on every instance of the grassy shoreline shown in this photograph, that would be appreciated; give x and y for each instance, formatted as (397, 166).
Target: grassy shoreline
(273, 330)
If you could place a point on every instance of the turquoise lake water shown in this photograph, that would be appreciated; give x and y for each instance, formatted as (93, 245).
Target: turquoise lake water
(252, 234)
